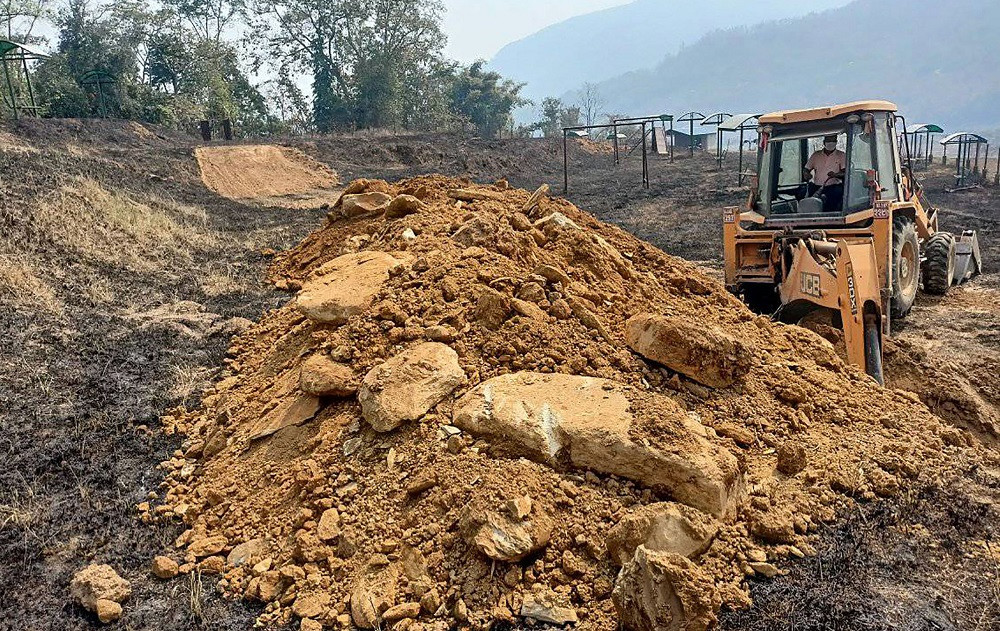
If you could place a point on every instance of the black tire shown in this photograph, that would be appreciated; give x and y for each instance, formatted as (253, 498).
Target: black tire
(939, 263)
(873, 351)
(905, 266)
(762, 299)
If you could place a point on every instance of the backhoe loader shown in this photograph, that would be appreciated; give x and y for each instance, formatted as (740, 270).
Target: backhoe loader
(853, 244)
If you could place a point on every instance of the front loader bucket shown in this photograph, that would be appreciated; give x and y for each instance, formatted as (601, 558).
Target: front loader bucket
(968, 260)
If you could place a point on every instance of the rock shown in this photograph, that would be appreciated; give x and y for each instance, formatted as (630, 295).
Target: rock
(440, 333)
(589, 318)
(776, 525)
(403, 205)
(461, 611)
(308, 624)
(660, 591)
(560, 309)
(501, 536)
(364, 204)
(528, 310)
(245, 552)
(310, 604)
(97, 587)
(531, 292)
(492, 308)
(791, 458)
(544, 606)
(405, 610)
(344, 287)
(329, 525)
(766, 570)
(215, 444)
(709, 356)
(557, 219)
(519, 508)
(481, 230)
(108, 611)
(293, 410)
(553, 274)
(212, 565)
(422, 482)
(430, 602)
(322, 377)
(368, 603)
(661, 527)
(165, 567)
(588, 422)
(207, 546)
(407, 386)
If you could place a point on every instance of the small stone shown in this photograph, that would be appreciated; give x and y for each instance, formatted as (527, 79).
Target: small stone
(108, 611)
(543, 607)
(440, 333)
(310, 604)
(322, 377)
(560, 309)
(492, 308)
(207, 546)
(405, 610)
(553, 274)
(165, 567)
(766, 570)
(403, 205)
(519, 507)
(329, 525)
(792, 458)
(422, 482)
(96, 583)
(430, 602)
(212, 565)
(455, 444)
(308, 624)
(461, 611)
(244, 552)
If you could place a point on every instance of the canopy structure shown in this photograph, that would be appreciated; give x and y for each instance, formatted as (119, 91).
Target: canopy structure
(923, 141)
(691, 118)
(742, 123)
(632, 122)
(101, 81)
(970, 148)
(714, 120)
(20, 96)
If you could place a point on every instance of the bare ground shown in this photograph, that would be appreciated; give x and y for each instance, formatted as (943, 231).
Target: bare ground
(91, 360)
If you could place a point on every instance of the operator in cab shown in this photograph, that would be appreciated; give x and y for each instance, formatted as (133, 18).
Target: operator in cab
(825, 171)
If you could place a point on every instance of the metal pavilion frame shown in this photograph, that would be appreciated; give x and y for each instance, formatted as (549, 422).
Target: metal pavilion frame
(692, 118)
(99, 79)
(741, 123)
(714, 120)
(17, 55)
(923, 137)
(663, 119)
(964, 142)
(576, 132)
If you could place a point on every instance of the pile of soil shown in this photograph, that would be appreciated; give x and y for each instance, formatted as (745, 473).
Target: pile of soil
(267, 175)
(407, 443)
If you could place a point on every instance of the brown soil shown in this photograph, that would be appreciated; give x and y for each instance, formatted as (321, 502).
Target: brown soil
(859, 442)
(267, 175)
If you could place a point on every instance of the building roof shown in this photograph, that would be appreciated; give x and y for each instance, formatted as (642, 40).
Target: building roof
(831, 111)
(736, 121)
(7, 45)
(963, 136)
(923, 128)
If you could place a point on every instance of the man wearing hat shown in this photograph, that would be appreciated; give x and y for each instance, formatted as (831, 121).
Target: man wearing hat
(826, 168)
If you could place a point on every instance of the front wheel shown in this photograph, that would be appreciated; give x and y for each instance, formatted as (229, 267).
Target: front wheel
(873, 350)
(905, 266)
(939, 266)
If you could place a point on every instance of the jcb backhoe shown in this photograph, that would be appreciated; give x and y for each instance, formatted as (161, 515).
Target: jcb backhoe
(854, 241)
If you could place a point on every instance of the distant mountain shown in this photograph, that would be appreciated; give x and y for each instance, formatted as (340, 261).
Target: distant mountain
(639, 35)
(940, 61)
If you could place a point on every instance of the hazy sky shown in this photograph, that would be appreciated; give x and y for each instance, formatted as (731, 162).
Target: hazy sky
(477, 29)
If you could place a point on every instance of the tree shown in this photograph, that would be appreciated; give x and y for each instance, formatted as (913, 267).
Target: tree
(485, 98)
(360, 53)
(590, 103)
(552, 110)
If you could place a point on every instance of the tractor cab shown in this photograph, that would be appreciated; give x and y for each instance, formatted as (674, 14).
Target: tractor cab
(821, 170)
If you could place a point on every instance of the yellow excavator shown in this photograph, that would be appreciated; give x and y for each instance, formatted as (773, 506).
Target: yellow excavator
(837, 224)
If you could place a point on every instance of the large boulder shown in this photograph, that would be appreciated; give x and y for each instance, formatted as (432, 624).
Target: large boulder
(592, 424)
(407, 386)
(345, 286)
(661, 527)
(660, 591)
(704, 354)
(361, 204)
(99, 589)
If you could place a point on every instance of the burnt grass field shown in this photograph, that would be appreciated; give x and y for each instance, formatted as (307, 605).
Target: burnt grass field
(122, 280)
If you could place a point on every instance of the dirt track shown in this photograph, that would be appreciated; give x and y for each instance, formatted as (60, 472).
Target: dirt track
(81, 403)
(266, 175)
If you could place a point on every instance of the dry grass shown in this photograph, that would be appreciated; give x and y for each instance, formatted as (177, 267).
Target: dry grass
(21, 283)
(222, 282)
(116, 228)
(187, 381)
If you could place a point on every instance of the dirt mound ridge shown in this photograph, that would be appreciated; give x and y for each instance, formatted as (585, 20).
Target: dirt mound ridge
(267, 175)
(526, 446)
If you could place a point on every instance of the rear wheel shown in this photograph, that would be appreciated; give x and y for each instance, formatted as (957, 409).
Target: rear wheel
(873, 350)
(905, 266)
(939, 264)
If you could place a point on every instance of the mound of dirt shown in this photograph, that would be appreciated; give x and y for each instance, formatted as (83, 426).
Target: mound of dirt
(462, 419)
(267, 175)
